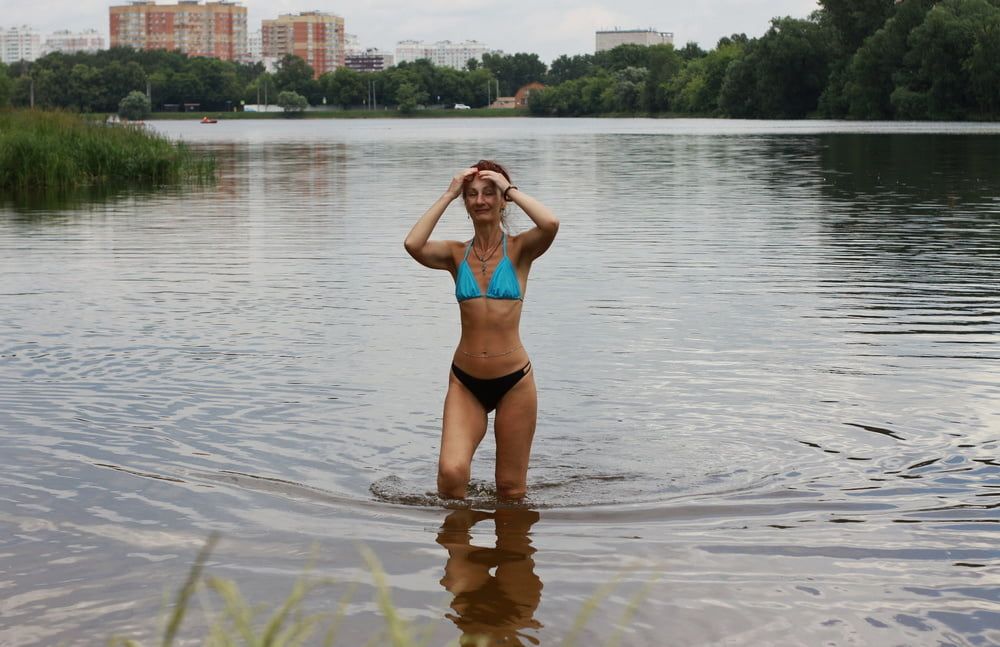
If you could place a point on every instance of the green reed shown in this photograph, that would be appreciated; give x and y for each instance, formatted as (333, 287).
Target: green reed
(240, 624)
(52, 151)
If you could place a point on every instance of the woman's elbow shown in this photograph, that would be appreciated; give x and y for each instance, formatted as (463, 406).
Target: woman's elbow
(411, 247)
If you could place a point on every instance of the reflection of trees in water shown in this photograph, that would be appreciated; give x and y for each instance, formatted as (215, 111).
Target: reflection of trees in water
(904, 173)
(920, 207)
(496, 590)
(910, 232)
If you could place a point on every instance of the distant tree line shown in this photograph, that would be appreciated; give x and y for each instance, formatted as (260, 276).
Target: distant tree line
(97, 82)
(862, 59)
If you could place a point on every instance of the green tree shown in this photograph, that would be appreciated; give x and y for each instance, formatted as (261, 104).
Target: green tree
(295, 75)
(697, 88)
(567, 68)
(6, 86)
(135, 106)
(870, 77)
(82, 88)
(738, 94)
(663, 62)
(219, 82)
(621, 57)
(795, 57)
(691, 51)
(939, 50)
(782, 74)
(117, 80)
(625, 93)
(409, 97)
(183, 87)
(474, 90)
(514, 70)
(344, 87)
(855, 20)
(733, 39)
(292, 102)
(983, 66)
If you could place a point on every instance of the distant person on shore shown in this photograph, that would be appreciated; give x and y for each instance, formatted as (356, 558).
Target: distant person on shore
(490, 369)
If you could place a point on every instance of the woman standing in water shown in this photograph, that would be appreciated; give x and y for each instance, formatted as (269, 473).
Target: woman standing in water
(490, 369)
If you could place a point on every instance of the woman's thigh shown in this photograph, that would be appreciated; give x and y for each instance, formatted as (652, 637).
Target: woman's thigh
(514, 426)
(464, 424)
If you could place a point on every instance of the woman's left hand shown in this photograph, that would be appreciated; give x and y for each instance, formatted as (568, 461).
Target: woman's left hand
(496, 178)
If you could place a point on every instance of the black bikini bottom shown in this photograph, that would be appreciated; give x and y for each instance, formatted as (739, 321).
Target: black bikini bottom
(489, 392)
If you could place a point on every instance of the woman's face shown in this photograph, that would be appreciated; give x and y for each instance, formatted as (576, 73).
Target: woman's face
(483, 200)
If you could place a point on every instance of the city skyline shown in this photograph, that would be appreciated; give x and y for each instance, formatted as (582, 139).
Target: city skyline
(548, 29)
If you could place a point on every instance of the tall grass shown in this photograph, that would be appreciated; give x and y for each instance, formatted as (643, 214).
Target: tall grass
(240, 624)
(43, 151)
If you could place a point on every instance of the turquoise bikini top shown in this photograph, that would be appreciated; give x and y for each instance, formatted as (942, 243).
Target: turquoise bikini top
(503, 283)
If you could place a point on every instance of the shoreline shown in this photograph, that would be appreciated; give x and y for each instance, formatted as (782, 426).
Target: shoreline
(492, 113)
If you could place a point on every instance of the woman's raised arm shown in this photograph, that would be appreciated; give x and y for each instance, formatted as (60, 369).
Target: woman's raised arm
(537, 239)
(434, 253)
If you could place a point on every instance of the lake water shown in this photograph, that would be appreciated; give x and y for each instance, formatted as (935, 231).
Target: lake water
(767, 353)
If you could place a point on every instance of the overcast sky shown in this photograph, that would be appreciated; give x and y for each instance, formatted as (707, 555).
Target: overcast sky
(544, 27)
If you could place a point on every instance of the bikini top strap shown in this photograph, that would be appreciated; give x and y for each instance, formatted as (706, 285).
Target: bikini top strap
(503, 237)
(468, 248)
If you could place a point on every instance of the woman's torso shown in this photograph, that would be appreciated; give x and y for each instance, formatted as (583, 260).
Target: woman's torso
(490, 345)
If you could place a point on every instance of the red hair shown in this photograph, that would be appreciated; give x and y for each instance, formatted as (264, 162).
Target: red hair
(490, 165)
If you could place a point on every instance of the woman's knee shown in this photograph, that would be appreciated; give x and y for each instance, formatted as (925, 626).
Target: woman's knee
(453, 474)
(511, 489)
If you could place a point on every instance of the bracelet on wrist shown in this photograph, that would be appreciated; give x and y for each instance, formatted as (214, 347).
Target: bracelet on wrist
(506, 191)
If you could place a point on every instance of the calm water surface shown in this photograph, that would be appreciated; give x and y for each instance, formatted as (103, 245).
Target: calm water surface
(767, 357)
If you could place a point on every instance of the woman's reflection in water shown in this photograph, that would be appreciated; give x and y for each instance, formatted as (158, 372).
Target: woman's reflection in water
(497, 605)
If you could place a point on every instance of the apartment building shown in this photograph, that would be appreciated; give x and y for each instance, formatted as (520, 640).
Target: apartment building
(442, 53)
(214, 29)
(365, 59)
(314, 36)
(69, 42)
(369, 60)
(19, 44)
(255, 46)
(609, 39)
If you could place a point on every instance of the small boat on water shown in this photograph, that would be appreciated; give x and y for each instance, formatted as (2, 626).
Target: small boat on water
(208, 120)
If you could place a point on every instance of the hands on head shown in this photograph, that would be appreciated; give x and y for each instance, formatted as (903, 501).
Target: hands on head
(467, 175)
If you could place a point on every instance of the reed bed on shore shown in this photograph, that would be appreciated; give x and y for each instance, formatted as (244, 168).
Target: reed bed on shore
(53, 151)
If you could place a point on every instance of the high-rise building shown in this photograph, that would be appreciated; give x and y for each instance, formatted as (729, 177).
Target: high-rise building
(364, 59)
(255, 47)
(442, 53)
(214, 29)
(69, 42)
(314, 36)
(611, 38)
(369, 60)
(19, 44)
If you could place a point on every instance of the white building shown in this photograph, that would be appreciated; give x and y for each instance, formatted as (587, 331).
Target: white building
(19, 44)
(69, 42)
(442, 53)
(255, 47)
(352, 44)
(611, 38)
(369, 60)
(365, 59)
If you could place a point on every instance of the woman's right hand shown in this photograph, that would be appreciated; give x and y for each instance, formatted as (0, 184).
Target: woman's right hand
(458, 182)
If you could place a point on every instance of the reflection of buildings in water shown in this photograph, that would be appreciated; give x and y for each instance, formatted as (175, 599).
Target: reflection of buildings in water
(316, 173)
(267, 173)
(496, 590)
(229, 157)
